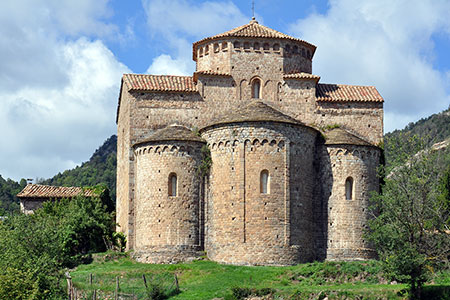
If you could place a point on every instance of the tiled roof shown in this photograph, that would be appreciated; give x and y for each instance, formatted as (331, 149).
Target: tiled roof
(163, 83)
(252, 30)
(172, 133)
(301, 75)
(256, 111)
(339, 136)
(341, 92)
(47, 191)
(211, 73)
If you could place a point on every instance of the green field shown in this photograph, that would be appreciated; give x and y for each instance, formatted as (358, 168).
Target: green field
(207, 280)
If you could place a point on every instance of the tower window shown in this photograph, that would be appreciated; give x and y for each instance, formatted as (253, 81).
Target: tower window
(288, 48)
(206, 49)
(256, 88)
(216, 47)
(246, 46)
(264, 182)
(224, 45)
(172, 184)
(295, 50)
(266, 47)
(349, 188)
(256, 47)
(237, 45)
(303, 52)
(276, 47)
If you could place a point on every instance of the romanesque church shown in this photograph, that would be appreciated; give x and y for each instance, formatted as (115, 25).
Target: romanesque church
(251, 160)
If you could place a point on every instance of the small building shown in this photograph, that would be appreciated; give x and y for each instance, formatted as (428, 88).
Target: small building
(34, 195)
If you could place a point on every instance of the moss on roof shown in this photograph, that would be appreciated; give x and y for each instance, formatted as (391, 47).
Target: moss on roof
(172, 133)
(256, 111)
(339, 136)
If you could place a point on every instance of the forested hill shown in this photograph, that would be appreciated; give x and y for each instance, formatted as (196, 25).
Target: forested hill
(400, 144)
(99, 169)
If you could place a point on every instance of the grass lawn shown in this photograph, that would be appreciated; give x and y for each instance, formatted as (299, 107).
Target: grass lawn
(207, 280)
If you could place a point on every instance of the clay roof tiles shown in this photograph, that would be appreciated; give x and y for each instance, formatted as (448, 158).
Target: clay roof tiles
(301, 75)
(47, 191)
(256, 111)
(252, 30)
(164, 83)
(339, 136)
(172, 133)
(341, 93)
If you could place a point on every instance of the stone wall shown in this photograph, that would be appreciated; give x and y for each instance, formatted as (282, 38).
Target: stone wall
(246, 226)
(346, 219)
(167, 223)
(28, 206)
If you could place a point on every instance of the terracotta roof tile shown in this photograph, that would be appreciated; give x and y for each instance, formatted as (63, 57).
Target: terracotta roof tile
(163, 83)
(341, 92)
(252, 30)
(301, 75)
(47, 191)
(210, 73)
(172, 133)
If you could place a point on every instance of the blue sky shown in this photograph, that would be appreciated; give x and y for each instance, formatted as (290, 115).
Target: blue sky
(62, 60)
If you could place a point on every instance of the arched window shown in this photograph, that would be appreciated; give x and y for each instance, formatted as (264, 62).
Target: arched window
(287, 48)
(295, 50)
(206, 49)
(256, 47)
(246, 46)
(349, 188)
(276, 47)
(237, 45)
(256, 88)
(172, 184)
(264, 182)
(266, 47)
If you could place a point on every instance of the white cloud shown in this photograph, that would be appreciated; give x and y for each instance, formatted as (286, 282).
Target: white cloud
(165, 64)
(58, 92)
(383, 43)
(180, 22)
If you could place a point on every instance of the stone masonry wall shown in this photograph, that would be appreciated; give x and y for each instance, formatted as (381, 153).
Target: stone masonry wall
(346, 219)
(244, 225)
(167, 227)
(226, 56)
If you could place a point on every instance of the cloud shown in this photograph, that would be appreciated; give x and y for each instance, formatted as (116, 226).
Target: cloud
(386, 44)
(58, 85)
(178, 23)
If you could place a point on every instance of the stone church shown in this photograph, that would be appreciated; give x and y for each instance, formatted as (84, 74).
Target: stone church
(250, 160)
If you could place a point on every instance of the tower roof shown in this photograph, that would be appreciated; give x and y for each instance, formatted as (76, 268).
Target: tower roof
(172, 132)
(252, 30)
(339, 136)
(256, 111)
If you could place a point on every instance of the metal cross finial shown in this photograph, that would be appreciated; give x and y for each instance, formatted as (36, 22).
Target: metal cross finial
(253, 9)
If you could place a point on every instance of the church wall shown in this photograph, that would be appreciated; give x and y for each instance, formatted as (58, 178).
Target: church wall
(124, 190)
(246, 226)
(167, 225)
(346, 219)
(365, 119)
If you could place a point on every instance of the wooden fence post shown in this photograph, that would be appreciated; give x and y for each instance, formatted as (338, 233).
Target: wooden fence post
(145, 281)
(116, 296)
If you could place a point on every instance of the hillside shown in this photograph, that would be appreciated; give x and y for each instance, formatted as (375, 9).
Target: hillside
(400, 144)
(99, 169)
(8, 191)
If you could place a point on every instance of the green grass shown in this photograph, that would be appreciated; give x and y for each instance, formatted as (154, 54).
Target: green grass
(208, 280)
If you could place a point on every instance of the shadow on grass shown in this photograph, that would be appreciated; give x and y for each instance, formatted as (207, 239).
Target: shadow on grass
(436, 292)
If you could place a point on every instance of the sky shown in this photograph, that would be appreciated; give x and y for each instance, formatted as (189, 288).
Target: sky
(61, 61)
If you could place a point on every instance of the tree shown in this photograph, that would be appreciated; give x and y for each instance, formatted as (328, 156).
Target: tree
(35, 248)
(411, 231)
